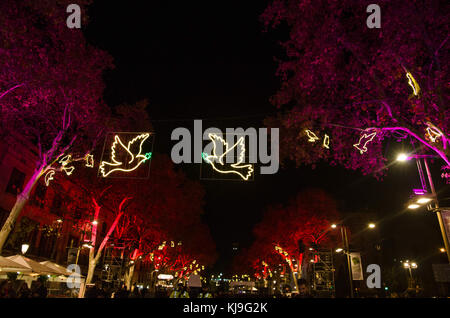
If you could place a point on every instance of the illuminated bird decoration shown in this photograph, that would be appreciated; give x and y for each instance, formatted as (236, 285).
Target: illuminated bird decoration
(48, 177)
(217, 162)
(312, 136)
(433, 132)
(363, 141)
(125, 158)
(64, 161)
(89, 161)
(326, 141)
(413, 83)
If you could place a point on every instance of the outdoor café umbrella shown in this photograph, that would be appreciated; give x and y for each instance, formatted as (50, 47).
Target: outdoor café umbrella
(58, 268)
(7, 265)
(33, 266)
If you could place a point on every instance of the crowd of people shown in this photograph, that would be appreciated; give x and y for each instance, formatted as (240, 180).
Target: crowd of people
(8, 290)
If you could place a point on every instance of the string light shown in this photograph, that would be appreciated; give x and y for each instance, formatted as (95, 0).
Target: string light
(117, 164)
(241, 155)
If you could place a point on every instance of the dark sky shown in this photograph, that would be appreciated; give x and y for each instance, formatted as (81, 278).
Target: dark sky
(210, 60)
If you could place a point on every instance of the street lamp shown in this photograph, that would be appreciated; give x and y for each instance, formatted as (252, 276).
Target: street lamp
(410, 267)
(425, 199)
(346, 250)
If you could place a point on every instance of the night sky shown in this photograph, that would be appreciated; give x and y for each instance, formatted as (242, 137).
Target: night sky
(211, 60)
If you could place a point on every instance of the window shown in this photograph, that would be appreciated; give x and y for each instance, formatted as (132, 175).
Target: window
(15, 182)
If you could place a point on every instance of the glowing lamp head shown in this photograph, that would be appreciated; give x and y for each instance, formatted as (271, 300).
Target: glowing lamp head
(402, 157)
(423, 200)
(413, 265)
(333, 226)
(95, 222)
(406, 265)
(25, 248)
(338, 250)
(371, 225)
(413, 206)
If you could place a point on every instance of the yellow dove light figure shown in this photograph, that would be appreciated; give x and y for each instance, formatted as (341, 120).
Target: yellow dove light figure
(217, 162)
(312, 136)
(128, 155)
(413, 83)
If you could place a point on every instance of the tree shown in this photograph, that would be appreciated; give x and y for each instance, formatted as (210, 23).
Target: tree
(361, 86)
(286, 232)
(50, 87)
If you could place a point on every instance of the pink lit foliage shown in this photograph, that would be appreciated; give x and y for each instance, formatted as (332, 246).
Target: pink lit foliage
(342, 79)
(50, 86)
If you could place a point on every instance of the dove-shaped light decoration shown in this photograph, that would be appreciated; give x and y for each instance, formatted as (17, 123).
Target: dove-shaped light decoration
(126, 155)
(433, 132)
(217, 162)
(413, 83)
(326, 141)
(363, 141)
(48, 177)
(312, 136)
(64, 161)
(89, 161)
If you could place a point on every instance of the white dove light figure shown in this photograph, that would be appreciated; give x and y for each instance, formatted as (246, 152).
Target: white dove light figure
(128, 155)
(217, 162)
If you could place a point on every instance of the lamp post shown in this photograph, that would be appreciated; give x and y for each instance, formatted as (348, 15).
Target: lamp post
(346, 250)
(410, 266)
(424, 200)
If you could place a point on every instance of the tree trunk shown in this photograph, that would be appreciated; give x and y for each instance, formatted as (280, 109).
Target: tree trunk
(21, 200)
(129, 277)
(91, 269)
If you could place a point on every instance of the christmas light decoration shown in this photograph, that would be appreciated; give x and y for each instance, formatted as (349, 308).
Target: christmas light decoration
(312, 136)
(326, 141)
(48, 177)
(136, 159)
(413, 83)
(89, 161)
(363, 141)
(247, 170)
(434, 133)
(64, 161)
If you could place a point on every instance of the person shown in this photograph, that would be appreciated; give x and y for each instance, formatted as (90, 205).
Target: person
(287, 291)
(303, 290)
(39, 291)
(204, 293)
(96, 291)
(122, 292)
(8, 290)
(180, 292)
(24, 291)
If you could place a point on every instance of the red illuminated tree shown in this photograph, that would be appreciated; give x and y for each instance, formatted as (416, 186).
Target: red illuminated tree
(50, 86)
(287, 232)
(343, 79)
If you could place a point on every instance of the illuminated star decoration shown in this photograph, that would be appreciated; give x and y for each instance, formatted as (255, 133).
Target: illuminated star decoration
(133, 153)
(244, 171)
(326, 141)
(148, 156)
(363, 141)
(312, 136)
(48, 177)
(412, 82)
(89, 161)
(64, 161)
